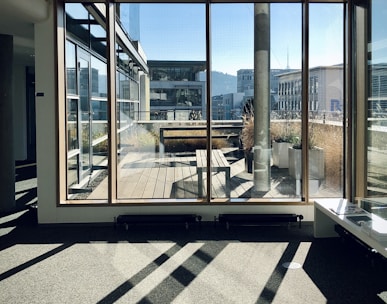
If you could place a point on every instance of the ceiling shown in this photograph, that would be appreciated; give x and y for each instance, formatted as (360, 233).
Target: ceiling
(17, 18)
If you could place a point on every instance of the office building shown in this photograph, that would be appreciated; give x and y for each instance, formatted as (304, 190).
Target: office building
(227, 106)
(176, 92)
(325, 90)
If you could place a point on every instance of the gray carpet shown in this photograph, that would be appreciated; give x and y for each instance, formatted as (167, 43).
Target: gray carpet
(207, 264)
(168, 264)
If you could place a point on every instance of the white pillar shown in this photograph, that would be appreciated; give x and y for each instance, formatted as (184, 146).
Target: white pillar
(46, 119)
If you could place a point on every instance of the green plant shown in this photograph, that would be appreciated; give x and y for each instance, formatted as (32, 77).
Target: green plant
(284, 131)
(288, 138)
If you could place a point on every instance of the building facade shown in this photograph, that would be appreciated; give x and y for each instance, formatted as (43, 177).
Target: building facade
(325, 90)
(227, 106)
(245, 84)
(176, 92)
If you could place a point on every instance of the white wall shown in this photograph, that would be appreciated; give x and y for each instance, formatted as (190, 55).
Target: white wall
(46, 133)
(98, 214)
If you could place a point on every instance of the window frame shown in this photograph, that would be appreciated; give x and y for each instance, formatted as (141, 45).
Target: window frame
(111, 28)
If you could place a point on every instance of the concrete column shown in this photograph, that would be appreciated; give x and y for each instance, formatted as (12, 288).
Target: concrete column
(7, 160)
(262, 150)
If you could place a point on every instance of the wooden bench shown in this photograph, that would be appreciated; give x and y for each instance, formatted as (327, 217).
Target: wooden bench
(189, 135)
(219, 163)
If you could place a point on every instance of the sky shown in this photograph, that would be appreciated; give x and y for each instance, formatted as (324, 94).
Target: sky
(177, 32)
(379, 37)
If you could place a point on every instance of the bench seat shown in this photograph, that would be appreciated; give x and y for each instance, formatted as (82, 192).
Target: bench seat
(219, 163)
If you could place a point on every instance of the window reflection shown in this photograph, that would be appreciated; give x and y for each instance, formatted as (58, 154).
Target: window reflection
(86, 75)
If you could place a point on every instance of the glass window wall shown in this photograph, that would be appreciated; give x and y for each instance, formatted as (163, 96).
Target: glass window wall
(377, 100)
(157, 155)
(253, 106)
(326, 100)
(87, 121)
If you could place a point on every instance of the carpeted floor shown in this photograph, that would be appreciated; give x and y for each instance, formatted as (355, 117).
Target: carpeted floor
(207, 264)
(168, 264)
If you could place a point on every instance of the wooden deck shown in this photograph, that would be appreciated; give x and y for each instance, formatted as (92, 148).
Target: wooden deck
(146, 176)
(167, 177)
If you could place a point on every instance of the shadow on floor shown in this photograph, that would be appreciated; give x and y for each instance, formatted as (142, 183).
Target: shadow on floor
(340, 271)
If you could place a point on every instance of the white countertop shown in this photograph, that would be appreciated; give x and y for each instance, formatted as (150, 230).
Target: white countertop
(370, 228)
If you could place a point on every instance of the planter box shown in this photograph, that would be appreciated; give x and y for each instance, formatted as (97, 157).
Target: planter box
(316, 167)
(316, 163)
(281, 154)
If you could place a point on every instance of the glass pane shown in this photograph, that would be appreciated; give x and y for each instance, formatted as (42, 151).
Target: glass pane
(72, 170)
(72, 124)
(85, 143)
(71, 71)
(87, 137)
(377, 100)
(77, 22)
(326, 100)
(256, 99)
(128, 15)
(98, 78)
(157, 153)
(99, 128)
(97, 37)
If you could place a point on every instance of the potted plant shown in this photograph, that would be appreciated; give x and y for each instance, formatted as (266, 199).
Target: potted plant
(284, 134)
(280, 145)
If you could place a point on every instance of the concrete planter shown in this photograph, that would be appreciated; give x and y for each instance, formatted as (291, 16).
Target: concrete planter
(316, 167)
(281, 154)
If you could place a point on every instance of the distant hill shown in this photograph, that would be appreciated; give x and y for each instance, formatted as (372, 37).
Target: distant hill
(221, 83)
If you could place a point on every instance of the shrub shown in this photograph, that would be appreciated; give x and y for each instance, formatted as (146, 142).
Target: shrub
(192, 144)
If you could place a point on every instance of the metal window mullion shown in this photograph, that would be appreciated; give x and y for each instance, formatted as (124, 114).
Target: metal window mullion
(208, 104)
(61, 108)
(348, 96)
(112, 121)
(360, 101)
(305, 101)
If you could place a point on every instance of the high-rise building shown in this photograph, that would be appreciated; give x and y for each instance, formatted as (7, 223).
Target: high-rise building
(129, 16)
